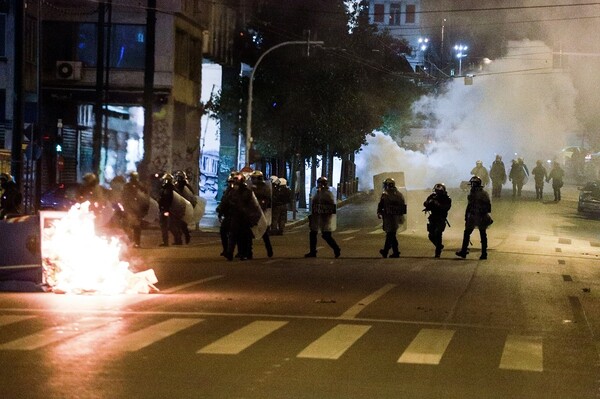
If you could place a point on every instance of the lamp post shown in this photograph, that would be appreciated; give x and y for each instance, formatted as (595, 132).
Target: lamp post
(251, 86)
(460, 54)
(423, 45)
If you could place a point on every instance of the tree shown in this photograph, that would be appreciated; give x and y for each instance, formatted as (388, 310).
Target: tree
(326, 103)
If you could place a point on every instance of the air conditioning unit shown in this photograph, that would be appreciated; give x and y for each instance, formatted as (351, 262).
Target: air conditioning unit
(68, 70)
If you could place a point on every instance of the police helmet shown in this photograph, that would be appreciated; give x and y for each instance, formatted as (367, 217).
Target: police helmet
(479, 162)
(180, 175)
(475, 182)
(389, 183)
(274, 179)
(257, 175)
(282, 181)
(90, 178)
(134, 176)
(322, 181)
(439, 188)
(167, 178)
(231, 177)
(5, 177)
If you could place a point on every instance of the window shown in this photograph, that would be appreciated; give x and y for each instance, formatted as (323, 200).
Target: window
(64, 41)
(2, 35)
(411, 14)
(78, 42)
(127, 46)
(378, 13)
(395, 14)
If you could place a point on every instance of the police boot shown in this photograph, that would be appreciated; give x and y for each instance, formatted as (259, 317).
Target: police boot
(438, 250)
(465, 244)
(483, 249)
(312, 238)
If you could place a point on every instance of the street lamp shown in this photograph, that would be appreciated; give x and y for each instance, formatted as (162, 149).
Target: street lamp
(460, 54)
(251, 86)
(423, 45)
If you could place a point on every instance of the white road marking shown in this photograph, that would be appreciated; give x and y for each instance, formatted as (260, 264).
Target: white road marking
(522, 352)
(378, 231)
(348, 238)
(190, 284)
(241, 339)
(55, 334)
(5, 320)
(428, 347)
(335, 342)
(360, 305)
(349, 231)
(147, 336)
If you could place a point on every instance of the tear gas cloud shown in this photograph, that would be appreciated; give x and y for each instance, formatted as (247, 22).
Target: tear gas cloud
(518, 106)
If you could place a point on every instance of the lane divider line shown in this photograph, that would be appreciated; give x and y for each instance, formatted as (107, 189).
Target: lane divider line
(360, 305)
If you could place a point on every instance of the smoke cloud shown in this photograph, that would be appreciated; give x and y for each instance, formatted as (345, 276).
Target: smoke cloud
(517, 106)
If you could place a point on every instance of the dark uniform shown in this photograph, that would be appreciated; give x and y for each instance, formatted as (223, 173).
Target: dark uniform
(169, 222)
(322, 217)
(391, 208)
(263, 194)
(437, 204)
(477, 215)
(498, 176)
(557, 174)
(243, 211)
(136, 203)
(224, 214)
(539, 175)
(282, 195)
(184, 188)
(518, 174)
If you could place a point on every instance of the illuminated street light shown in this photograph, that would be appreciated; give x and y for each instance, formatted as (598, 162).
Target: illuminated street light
(423, 46)
(460, 54)
(251, 85)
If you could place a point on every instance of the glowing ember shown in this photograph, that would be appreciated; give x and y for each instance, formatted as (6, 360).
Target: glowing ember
(76, 260)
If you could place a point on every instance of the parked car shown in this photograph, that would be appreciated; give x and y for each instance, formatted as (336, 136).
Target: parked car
(589, 198)
(60, 198)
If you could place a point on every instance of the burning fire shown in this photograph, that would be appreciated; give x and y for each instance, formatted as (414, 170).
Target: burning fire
(76, 260)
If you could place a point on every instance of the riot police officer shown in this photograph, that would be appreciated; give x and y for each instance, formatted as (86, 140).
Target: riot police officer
(184, 188)
(477, 215)
(498, 176)
(391, 208)
(437, 204)
(263, 194)
(169, 218)
(136, 203)
(322, 217)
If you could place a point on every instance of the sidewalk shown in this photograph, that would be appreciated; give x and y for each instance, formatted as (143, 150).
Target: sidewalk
(210, 220)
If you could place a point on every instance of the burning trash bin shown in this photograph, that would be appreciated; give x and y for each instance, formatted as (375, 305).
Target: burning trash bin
(76, 260)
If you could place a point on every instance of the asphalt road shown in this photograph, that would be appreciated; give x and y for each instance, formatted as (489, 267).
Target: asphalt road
(523, 324)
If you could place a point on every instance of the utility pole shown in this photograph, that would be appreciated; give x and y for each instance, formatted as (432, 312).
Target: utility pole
(99, 103)
(149, 87)
(307, 43)
(16, 164)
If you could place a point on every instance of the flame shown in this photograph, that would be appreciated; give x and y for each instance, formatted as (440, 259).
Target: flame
(76, 260)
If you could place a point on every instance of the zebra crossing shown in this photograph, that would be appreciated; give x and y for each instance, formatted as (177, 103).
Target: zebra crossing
(427, 346)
